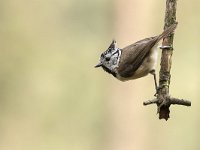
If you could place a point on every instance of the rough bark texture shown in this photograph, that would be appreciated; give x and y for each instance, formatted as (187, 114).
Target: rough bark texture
(163, 99)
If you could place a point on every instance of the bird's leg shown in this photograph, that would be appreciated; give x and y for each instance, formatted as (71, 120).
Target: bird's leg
(155, 81)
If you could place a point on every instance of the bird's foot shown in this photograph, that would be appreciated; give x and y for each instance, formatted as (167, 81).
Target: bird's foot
(157, 89)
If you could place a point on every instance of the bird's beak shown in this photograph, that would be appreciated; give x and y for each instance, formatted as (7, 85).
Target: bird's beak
(98, 65)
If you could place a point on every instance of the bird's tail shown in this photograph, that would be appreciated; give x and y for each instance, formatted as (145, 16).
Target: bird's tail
(168, 31)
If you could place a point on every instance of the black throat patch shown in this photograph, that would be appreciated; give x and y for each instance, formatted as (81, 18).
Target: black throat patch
(109, 71)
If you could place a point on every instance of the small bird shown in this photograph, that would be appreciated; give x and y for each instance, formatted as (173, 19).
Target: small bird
(134, 61)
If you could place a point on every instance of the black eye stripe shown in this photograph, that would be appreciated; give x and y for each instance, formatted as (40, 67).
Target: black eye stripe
(116, 52)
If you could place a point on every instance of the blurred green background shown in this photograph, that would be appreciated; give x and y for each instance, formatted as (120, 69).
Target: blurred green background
(52, 98)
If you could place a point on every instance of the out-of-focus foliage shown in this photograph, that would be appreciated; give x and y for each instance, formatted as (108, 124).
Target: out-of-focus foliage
(50, 94)
(52, 98)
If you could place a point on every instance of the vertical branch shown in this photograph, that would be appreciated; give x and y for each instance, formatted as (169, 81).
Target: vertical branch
(166, 59)
(163, 99)
(167, 46)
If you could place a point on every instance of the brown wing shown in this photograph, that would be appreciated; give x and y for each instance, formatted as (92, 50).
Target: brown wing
(133, 55)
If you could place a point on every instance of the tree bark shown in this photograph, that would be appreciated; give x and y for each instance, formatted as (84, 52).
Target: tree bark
(163, 99)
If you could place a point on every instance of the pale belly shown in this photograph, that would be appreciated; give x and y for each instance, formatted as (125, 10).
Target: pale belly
(148, 65)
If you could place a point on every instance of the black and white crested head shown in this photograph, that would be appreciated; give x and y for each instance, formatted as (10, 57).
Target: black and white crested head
(109, 59)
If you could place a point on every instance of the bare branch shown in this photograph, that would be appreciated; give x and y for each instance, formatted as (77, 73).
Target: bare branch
(180, 102)
(149, 102)
(163, 100)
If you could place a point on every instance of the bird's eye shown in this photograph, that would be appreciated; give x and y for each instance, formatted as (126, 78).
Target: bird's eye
(107, 58)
